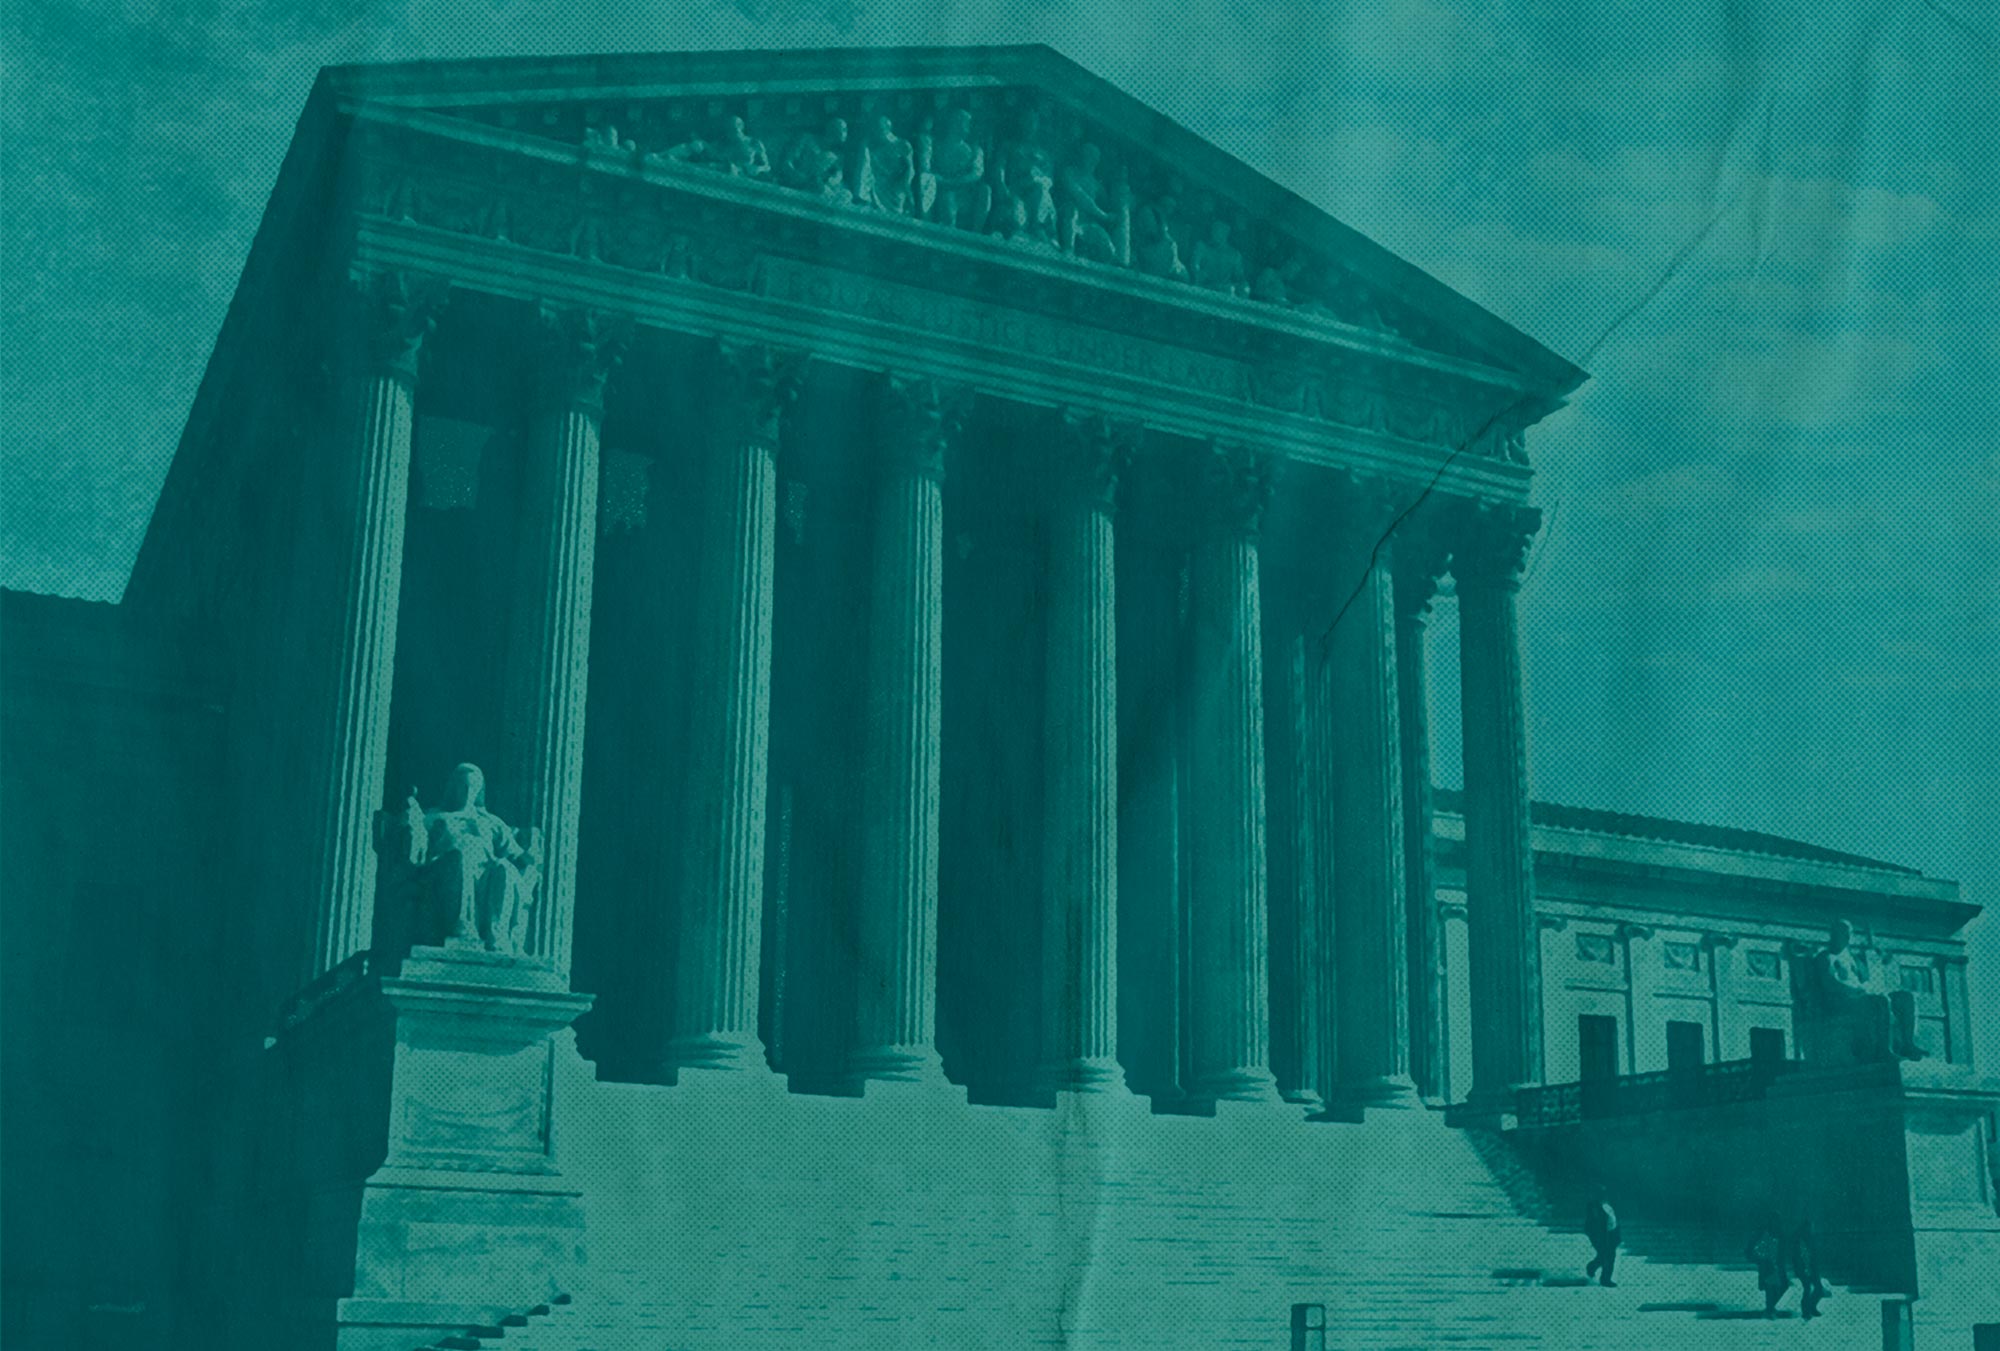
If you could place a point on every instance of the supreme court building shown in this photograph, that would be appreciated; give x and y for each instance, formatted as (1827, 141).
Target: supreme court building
(934, 560)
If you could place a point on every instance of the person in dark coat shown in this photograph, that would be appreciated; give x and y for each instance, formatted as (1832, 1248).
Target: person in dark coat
(1600, 1226)
(1767, 1251)
(1805, 1262)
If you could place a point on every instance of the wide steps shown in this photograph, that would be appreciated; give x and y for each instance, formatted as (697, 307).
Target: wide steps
(844, 1224)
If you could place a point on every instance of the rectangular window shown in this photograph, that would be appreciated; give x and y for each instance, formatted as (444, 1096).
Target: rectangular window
(1767, 1044)
(1763, 965)
(1687, 1046)
(1681, 956)
(1596, 948)
(1920, 979)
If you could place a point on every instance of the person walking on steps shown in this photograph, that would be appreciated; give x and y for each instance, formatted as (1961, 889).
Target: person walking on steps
(1805, 1262)
(1767, 1251)
(1600, 1226)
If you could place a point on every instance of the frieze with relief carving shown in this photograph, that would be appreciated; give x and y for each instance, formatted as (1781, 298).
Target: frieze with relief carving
(547, 209)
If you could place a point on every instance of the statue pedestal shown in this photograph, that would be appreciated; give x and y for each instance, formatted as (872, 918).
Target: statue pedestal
(423, 1134)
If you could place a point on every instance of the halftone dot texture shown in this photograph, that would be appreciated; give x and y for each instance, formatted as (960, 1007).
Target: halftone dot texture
(1766, 592)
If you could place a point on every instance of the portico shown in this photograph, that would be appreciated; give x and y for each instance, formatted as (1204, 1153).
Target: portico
(925, 413)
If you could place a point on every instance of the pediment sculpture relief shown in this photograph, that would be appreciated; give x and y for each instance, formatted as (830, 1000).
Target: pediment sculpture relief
(1024, 175)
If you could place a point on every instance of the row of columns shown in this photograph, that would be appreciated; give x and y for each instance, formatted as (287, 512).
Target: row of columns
(1363, 773)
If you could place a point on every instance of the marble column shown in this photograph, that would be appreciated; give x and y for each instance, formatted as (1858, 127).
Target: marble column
(896, 1005)
(1721, 954)
(1308, 724)
(1416, 571)
(1371, 961)
(716, 990)
(1080, 764)
(548, 652)
(370, 468)
(1500, 870)
(1229, 991)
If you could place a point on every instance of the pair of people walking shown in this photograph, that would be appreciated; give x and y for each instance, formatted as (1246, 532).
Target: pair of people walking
(1778, 1258)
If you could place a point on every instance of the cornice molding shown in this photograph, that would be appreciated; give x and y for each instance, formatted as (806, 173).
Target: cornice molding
(1046, 366)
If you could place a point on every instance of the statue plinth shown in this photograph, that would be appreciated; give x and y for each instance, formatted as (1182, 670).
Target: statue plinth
(422, 1103)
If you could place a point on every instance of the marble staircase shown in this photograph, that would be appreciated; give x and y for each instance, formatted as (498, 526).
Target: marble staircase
(909, 1220)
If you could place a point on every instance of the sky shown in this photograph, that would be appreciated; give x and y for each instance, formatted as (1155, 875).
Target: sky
(1768, 591)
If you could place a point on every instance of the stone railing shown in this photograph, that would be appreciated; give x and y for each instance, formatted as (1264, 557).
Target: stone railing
(1659, 1091)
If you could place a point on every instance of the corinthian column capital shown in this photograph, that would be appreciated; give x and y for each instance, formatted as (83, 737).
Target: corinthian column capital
(1419, 558)
(920, 418)
(1491, 545)
(395, 311)
(758, 382)
(1236, 487)
(576, 350)
(1092, 453)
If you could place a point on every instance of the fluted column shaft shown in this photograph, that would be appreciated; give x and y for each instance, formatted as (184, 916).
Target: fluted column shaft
(1505, 952)
(371, 485)
(896, 1013)
(548, 662)
(722, 893)
(1415, 586)
(1372, 959)
(1312, 869)
(1229, 934)
(1080, 768)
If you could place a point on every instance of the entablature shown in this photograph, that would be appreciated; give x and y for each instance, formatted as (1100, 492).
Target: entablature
(708, 252)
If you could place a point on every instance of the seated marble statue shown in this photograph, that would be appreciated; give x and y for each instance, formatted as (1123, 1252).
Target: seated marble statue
(1860, 1021)
(477, 874)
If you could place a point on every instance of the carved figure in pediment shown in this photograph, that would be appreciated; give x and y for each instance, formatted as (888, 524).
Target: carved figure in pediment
(1154, 248)
(735, 151)
(817, 163)
(468, 876)
(1088, 227)
(694, 150)
(1026, 209)
(606, 140)
(1279, 285)
(964, 199)
(1218, 264)
(888, 170)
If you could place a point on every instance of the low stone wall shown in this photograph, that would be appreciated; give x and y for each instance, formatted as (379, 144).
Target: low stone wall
(1891, 1163)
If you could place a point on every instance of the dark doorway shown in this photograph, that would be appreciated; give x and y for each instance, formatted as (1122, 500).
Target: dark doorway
(1767, 1046)
(1597, 1058)
(1687, 1047)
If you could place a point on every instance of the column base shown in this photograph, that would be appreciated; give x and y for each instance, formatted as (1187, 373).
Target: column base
(897, 1065)
(1395, 1092)
(1243, 1084)
(717, 1051)
(1307, 1098)
(1094, 1075)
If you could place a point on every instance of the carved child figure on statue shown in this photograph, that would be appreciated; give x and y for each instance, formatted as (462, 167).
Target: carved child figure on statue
(479, 873)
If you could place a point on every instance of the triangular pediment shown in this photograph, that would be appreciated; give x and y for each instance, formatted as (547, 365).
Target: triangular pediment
(1017, 143)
